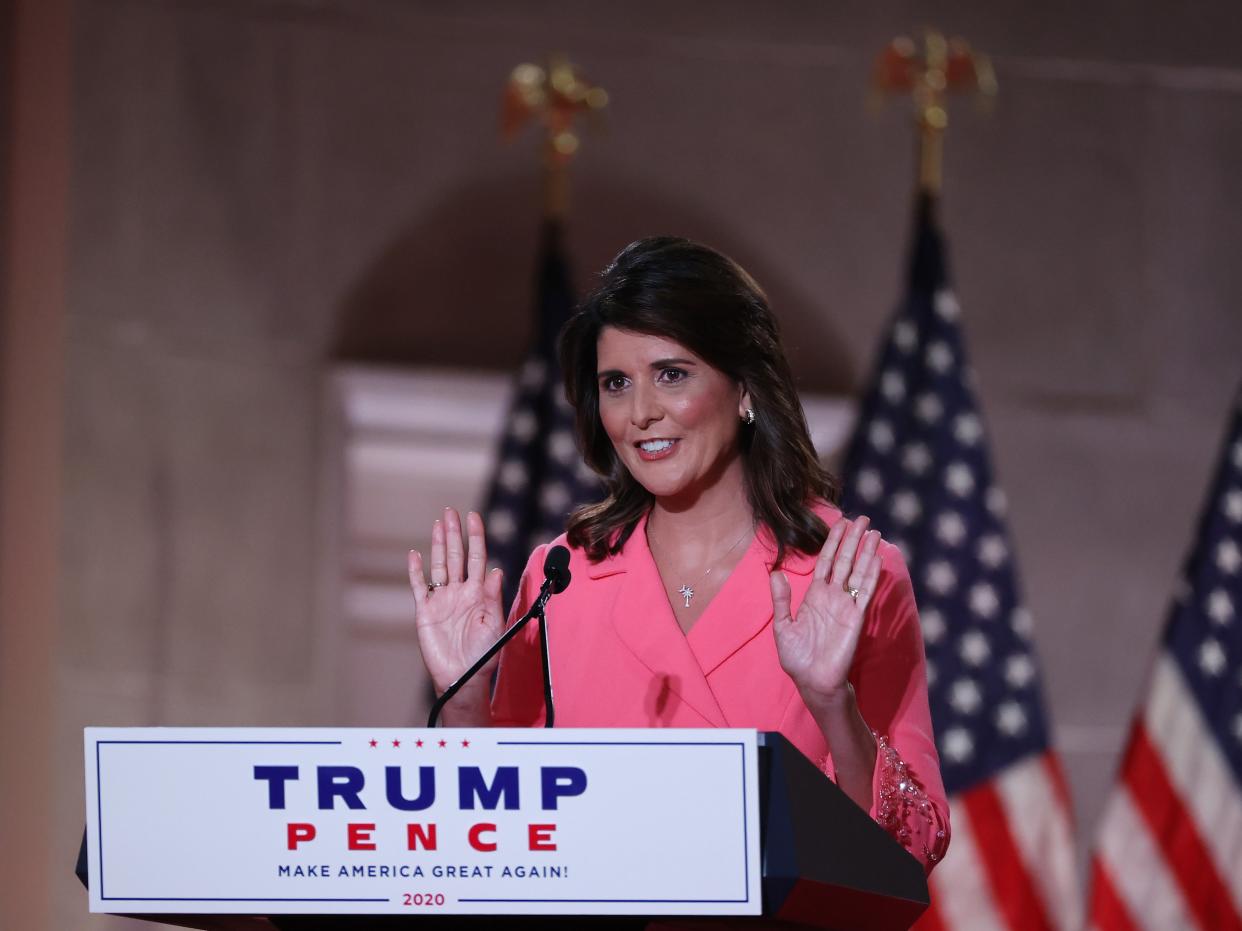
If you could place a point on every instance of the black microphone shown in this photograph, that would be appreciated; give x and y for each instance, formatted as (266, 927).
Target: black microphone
(556, 569)
(556, 577)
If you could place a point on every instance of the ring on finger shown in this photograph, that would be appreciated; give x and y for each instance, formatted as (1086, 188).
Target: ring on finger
(431, 587)
(851, 591)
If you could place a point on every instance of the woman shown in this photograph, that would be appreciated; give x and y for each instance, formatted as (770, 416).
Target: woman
(716, 585)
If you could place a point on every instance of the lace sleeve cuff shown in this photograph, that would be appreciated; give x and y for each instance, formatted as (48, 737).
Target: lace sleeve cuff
(902, 807)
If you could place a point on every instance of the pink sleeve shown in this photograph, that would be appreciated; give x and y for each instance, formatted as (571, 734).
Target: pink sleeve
(890, 679)
(518, 698)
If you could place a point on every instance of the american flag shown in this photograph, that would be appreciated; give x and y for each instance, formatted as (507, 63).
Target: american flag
(918, 466)
(540, 476)
(1169, 852)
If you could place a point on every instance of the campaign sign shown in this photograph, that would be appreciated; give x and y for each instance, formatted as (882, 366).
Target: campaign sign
(506, 821)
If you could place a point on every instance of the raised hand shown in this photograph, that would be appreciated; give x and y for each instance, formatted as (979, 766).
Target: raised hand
(816, 648)
(458, 612)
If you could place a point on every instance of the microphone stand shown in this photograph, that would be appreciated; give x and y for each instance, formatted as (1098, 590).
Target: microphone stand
(536, 610)
(549, 713)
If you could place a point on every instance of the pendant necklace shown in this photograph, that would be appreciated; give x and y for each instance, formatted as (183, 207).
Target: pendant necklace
(687, 590)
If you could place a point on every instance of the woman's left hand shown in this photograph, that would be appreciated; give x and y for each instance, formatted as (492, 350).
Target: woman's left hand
(816, 648)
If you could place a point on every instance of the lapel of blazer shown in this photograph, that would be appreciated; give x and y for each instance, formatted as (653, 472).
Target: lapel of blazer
(644, 622)
(743, 606)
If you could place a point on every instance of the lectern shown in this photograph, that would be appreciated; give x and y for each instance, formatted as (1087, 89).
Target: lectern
(352, 830)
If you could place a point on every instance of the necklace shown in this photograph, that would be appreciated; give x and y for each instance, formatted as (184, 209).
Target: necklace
(687, 590)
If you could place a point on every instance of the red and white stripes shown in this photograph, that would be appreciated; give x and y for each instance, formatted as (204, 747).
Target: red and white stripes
(1171, 839)
(1010, 866)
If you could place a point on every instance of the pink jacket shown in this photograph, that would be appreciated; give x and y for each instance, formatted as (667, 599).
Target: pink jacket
(620, 659)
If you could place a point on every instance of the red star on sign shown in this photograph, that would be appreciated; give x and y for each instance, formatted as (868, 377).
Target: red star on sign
(418, 743)
(396, 743)
(443, 743)
(374, 743)
(465, 743)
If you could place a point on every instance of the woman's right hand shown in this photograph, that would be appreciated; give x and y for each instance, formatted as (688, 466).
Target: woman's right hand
(457, 612)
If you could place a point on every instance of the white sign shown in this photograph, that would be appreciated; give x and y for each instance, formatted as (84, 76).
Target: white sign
(505, 821)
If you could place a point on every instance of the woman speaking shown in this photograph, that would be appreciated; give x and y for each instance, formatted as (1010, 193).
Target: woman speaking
(716, 585)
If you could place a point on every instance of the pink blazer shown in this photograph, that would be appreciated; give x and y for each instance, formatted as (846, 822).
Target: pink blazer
(620, 659)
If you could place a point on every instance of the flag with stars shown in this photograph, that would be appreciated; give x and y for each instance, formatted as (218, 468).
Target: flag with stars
(539, 476)
(1169, 843)
(918, 466)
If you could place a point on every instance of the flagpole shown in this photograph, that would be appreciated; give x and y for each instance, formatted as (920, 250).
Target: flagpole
(554, 94)
(919, 466)
(943, 67)
(539, 476)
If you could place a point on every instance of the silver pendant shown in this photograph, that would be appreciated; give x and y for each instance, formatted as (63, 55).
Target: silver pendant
(686, 592)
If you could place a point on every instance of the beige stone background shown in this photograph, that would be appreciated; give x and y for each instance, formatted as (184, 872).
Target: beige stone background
(206, 200)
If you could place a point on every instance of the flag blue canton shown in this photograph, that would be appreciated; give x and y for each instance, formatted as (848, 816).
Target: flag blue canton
(539, 476)
(1204, 632)
(918, 467)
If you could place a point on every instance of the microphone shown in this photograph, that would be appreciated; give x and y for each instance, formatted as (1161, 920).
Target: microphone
(556, 569)
(556, 577)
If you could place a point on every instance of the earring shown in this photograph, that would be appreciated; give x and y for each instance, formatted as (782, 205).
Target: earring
(749, 419)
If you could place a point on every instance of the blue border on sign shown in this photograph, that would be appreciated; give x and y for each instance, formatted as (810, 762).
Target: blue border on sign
(648, 743)
(503, 743)
(103, 897)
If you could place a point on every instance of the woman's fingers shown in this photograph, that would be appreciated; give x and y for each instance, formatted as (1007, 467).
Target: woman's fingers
(862, 562)
(418, 584)
(439, 570)
(476, 552)
(871, 575)
(844, 562)
(492, 589)
(780, 597)
(826, 552)
(455, 552)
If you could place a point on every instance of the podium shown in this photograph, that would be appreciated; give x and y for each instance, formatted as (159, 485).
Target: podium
(821, 861)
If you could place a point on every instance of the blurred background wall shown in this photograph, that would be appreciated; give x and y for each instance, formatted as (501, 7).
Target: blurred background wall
(253, 190)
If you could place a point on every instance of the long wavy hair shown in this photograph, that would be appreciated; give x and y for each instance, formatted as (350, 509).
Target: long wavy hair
(693, 295)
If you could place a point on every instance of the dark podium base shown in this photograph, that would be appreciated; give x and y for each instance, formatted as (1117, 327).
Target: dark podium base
(826, 864)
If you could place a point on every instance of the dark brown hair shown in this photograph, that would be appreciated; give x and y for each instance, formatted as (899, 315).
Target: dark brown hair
(689, 293)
